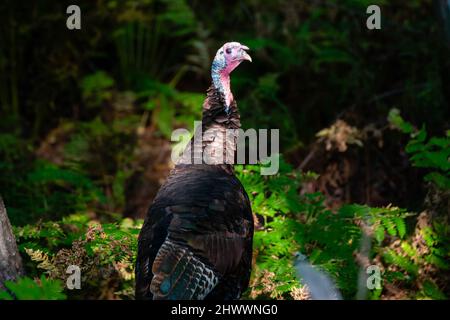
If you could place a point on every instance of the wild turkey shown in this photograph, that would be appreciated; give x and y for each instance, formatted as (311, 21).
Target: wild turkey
(196, 241)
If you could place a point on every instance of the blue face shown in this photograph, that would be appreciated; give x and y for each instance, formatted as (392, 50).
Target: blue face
(218, 64)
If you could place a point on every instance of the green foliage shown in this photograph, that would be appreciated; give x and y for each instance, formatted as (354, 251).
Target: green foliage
(28, 289)
(417, 261)
(96, 86)
(292, 222)
(172, 109)
(272, 198)
(105, 253)
(103, 151)
(37, 189)
(433, 154)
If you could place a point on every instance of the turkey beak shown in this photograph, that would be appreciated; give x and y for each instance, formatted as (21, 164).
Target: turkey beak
(245, 55)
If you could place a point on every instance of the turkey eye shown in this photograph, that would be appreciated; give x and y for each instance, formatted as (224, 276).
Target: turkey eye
(228, 50)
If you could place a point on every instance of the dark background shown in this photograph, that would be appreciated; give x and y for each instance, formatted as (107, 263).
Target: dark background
(86, 115)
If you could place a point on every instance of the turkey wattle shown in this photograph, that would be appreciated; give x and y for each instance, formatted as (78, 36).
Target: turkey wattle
(196, 241)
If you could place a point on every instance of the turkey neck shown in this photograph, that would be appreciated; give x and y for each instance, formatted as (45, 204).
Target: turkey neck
(220, 122)
(217, 141)
(218, 113)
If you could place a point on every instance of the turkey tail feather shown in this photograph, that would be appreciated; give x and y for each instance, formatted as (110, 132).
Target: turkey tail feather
(180, 275)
